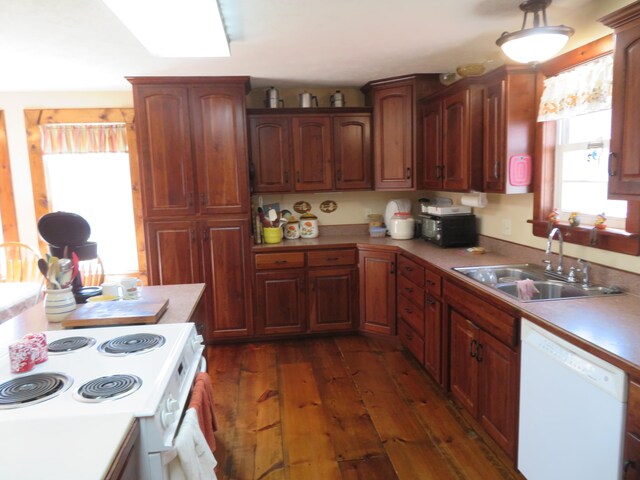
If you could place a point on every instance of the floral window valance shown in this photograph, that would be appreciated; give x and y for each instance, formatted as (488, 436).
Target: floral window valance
(84, 138)
(584, 89)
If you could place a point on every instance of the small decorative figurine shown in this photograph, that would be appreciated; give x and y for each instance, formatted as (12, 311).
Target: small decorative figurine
(574, 219)
(600, 221)
(554, 216)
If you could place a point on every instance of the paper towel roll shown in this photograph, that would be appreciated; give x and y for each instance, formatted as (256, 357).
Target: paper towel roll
(478, 200)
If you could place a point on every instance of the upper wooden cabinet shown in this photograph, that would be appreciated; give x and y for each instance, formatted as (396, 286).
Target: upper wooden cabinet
(397, 129)
(624, 161)
(452, 137)
(307, 149)
(508, 125)
(192, 145)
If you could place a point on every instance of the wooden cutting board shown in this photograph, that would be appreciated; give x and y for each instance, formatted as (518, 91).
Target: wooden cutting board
(124, 312)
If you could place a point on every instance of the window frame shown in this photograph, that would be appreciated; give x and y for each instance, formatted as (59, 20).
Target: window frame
(616, 240)
(7, 198)
(35, 118)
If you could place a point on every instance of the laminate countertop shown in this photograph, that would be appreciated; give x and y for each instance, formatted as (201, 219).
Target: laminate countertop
(607, 326)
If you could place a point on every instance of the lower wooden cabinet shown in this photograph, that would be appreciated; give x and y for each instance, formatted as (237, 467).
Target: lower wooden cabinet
(631, 457)
(332, 303)
(433, 337)
(378, 291)
(484, 364)
(280, 300)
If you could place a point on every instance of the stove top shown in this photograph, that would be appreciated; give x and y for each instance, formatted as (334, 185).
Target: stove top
(161, 353)
(29, 389)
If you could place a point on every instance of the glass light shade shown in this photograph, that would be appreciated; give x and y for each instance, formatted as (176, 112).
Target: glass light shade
(534, 44)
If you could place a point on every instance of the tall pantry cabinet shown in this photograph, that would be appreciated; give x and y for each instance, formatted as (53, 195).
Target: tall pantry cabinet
(195, 189)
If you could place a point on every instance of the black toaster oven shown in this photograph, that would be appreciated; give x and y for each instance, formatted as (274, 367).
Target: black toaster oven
(450, 230)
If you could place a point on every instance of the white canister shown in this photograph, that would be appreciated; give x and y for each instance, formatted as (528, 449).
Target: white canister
(309, 225)
(292, 230)
(402, 226)
(58, 304)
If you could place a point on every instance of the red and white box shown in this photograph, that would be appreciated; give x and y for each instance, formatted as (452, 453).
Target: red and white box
(21, 356)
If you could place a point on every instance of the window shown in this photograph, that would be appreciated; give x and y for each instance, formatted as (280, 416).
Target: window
(80, 163)
(581, 176)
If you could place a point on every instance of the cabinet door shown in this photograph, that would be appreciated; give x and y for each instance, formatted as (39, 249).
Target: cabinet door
(498, 391)
(463, 350)
(352, 152)
(280, 302)
(271, 153)
(164, 143)
(219, 138)
(432, 145)
(332, 299)
(624, 162)
(456, 146)
(173, 253)
(433, 338)
(378, 292)
(493, 142)
(227, 256)
(631, 457)
(393, 126)
(312, 153)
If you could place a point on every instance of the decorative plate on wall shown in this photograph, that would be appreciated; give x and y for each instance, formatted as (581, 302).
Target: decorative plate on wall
(328, 206)
(302, 206)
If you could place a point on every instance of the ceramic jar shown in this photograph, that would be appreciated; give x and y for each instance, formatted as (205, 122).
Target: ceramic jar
(401, 226)
(292, 230)
(58, 304)
(309, 225)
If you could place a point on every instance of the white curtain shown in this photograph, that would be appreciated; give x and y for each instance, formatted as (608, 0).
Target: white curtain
(584, 89)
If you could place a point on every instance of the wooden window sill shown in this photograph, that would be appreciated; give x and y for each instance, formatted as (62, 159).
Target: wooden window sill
(611, 239)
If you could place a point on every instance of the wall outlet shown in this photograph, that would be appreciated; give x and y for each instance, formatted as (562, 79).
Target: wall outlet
(506, 226)
(367, 212)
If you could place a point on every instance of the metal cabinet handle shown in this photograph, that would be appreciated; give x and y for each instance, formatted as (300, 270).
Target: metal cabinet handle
(203, 199)
(612, 164)
(438, 174)
(280, 262)
(408, 289)
(392, 267)
(286, 177)
(473, 348)
(496, 169)
(339, 175)
(408, 268)
(190, 199)
(480, 349)
(298, 177)
(628, 465)
(193, 236)
(332, 259)
(408, 172)
(408, 310)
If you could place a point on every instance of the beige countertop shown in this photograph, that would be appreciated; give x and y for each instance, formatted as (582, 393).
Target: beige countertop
(182, 303)
(607, 326)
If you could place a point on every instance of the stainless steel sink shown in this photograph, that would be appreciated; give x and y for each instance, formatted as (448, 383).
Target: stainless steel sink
(504, 278)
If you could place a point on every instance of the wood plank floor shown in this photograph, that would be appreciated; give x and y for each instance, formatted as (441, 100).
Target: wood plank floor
(349, 407)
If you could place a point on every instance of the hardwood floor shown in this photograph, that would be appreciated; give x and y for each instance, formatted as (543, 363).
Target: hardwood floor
(349, 407)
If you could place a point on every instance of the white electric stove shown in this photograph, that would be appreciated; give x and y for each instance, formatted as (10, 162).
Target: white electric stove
(144, 370)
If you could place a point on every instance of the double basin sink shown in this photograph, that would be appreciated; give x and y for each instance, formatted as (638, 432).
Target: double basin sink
(506, 278)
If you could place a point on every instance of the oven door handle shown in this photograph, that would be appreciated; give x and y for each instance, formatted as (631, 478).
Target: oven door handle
(202, 366)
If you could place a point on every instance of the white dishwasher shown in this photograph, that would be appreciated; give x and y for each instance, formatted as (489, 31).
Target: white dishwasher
(572, 411)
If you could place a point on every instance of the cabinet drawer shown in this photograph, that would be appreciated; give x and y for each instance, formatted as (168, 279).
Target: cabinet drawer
(633, 410)
(411, 340)
(411, 314)
(270, 261)
(330, 258)
(411, 270)
(432, 283)
(491, 319)
(411, 291)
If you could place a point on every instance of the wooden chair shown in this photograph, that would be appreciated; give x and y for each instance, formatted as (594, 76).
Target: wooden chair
(18, 263)
(91, 272)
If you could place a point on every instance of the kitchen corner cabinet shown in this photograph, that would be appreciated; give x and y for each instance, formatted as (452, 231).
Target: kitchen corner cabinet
(195, 192)
(624, 159)
(452, 135)
(310, 150)
(509, 124)
(631, 458)
(377, 291)
(484, 363)
(397, 129)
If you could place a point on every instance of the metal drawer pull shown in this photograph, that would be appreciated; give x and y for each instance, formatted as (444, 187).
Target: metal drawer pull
(408, 289)
(408, 269)
(332, 259)
(612, 164)
(280, 262)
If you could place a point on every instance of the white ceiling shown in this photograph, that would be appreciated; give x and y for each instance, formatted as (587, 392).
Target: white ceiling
(79, 45)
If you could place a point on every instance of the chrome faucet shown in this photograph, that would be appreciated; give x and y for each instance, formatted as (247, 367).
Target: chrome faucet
(586, 266)
(553, 232)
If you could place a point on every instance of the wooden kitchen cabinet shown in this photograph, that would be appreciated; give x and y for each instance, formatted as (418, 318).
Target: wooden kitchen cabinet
(377, 291)
(397, 129)
(332, 295)
(452, 136)
(191, 145)
(195, 192)
(280, 302)
(631, 458)
(312, 155)
(624, 160)
(310, 150)
(508, 125)
(484, 363)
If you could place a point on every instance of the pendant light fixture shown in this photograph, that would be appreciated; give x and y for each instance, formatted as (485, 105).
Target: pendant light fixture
(538, 43)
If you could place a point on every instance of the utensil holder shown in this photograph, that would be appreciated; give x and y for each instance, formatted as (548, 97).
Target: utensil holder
(272, 234)
(58, 304)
